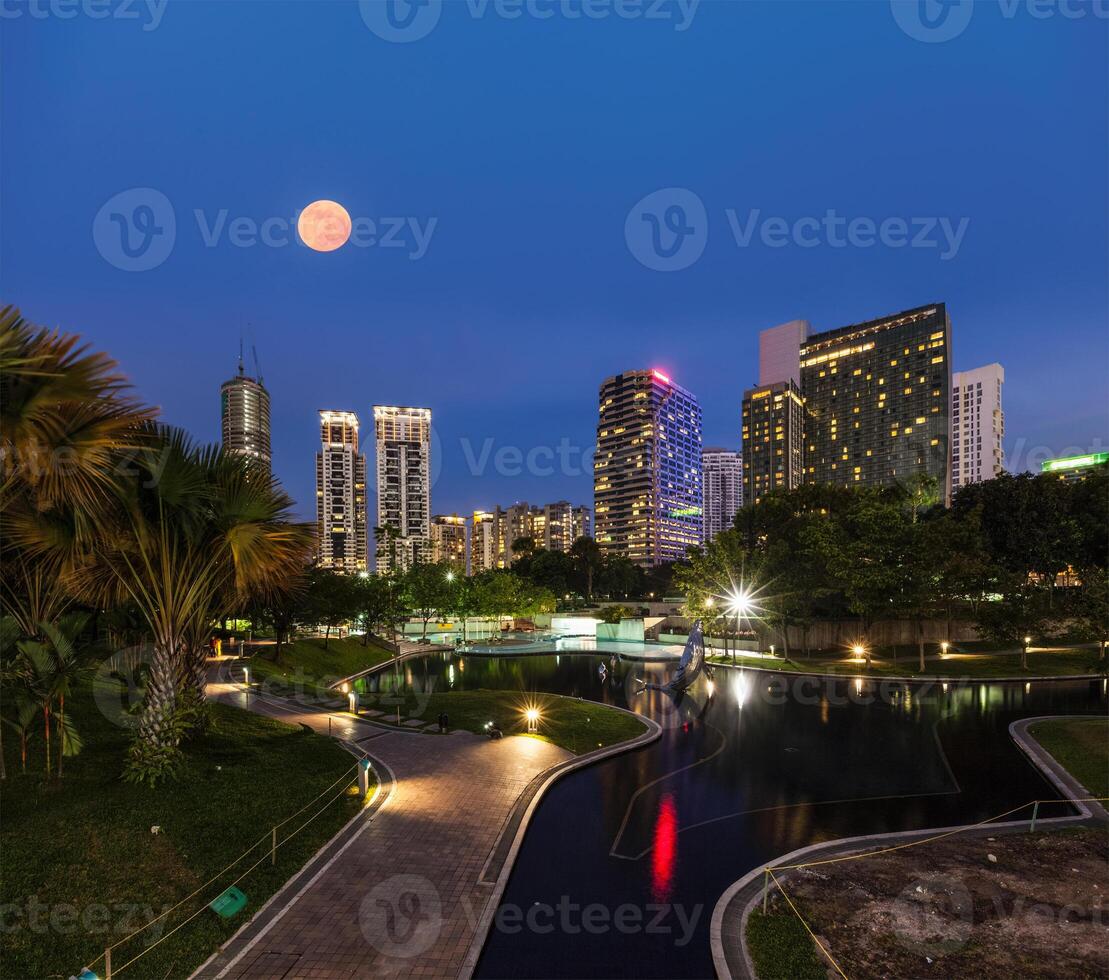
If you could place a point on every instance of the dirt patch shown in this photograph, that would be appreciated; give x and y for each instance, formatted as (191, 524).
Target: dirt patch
(1019, 905)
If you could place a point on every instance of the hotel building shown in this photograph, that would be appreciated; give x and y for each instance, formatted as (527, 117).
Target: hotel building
(773, 424)
(723, 489)
(403, 529)
(245, 418)
(647, 470)
(877, 400)
(448, 540)
(977, 425)
(780, 352)
(340, 495)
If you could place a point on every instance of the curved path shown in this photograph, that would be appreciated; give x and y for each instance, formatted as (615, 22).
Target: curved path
(409, 887)
(729, 918)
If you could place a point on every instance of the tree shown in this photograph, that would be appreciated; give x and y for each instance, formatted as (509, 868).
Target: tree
(195, 529)
(330, 599)
(587, 559)
(619, 576)
(371, 603)
(427, 587)
(522, 548)
(463, 600)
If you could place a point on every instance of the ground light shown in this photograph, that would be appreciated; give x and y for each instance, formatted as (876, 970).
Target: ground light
(944, 648)
(532, 716)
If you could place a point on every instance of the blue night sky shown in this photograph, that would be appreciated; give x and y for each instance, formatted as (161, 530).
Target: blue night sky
(528, 140)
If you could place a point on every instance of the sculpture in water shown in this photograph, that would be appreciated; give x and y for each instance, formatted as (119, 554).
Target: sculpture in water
(692, 661)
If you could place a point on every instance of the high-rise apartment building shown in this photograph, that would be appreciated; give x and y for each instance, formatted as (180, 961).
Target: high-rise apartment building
(403, 529)
(977, 425)
(448, 540)
(487, 540)
(723, 489)
(563, 524)
(245, 417)
(877, 400)
(647, 496)
(780, 352)
(773, 431)
(340, 495)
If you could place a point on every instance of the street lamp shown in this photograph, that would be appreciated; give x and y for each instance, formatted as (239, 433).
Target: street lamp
(943, 648)
(739, 603)
(450, 576)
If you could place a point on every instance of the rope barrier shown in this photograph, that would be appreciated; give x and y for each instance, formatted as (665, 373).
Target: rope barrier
(823, 948)
(219, 874)
(886, 850)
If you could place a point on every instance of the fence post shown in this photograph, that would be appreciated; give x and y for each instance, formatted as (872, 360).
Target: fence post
(765, 888)
(1035, 813)
(273, 847)
(108, 963)
(329, 726)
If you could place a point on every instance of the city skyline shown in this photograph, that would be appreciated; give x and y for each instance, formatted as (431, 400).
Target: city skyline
(544, 250)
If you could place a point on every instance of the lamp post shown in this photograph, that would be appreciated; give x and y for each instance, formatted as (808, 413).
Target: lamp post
(1024, 653)
(533, 721)
(740, 605)
(943, 648)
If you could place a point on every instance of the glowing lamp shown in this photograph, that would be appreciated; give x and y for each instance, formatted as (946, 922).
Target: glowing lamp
(662, 377)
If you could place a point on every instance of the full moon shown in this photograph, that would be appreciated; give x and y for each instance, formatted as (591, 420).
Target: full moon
(324, 226)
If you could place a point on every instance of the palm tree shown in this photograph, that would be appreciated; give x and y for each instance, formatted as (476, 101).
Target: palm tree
(67, 419)
(198, 531)
(22, 714)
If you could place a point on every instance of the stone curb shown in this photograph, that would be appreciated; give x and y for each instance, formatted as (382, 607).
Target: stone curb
(919, 679)
(481, 933)
(747, 889)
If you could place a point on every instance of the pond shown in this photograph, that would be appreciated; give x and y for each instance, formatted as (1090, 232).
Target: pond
(750, 766)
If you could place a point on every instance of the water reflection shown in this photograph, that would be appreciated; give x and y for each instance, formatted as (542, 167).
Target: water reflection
(770, 763)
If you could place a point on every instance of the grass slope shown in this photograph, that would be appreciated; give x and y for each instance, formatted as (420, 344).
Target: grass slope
(578, 726)
(306, 662)
(82, 868)
(1081, 746)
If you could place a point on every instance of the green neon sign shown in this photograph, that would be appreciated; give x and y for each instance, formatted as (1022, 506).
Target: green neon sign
(1074, 462)
(686, 512)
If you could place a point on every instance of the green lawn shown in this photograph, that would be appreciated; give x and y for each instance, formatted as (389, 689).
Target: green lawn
(1048, 663)
(780, 947)
(1081, 746)
(578, 726)
(82, 868)
(306, 663)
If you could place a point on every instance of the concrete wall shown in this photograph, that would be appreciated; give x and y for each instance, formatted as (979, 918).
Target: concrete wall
(626, 629)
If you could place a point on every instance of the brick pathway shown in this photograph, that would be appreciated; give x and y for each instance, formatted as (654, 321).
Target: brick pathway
(403, 899)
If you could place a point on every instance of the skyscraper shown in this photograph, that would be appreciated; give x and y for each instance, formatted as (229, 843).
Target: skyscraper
(486, 540)
(403, 438)
(245, 417)
(647, 470)
(340, 494)
(563, 524)
(977, 425)
(723, 489)
(448, 540)
(773, 430)
(780, 352)
(877, 399)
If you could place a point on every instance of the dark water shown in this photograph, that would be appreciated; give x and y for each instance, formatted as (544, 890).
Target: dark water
(766, 764)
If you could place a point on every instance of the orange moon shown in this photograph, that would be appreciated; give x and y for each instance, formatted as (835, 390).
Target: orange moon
(324, 226)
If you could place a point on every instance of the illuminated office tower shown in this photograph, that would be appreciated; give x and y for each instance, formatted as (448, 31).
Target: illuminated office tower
(245, 417)
(977, 425)
(647, 470)
(448, 540)
(723, 489)
(340, 495)
(773, 430)
(403, 529)
(877, 401)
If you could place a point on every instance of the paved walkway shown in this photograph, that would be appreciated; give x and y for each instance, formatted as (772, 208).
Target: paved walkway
(401, 891)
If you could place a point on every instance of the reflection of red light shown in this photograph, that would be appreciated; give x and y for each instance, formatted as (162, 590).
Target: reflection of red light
(661, 376)
(665, 852)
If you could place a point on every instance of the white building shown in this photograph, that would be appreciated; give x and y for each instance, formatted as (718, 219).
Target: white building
(403, 528)
(780, 352)
(340, 495)
(449, 534)
(245, 418)
(977, 425)
(723, 488)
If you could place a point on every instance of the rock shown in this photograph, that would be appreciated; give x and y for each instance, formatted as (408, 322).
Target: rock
(992, 858)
